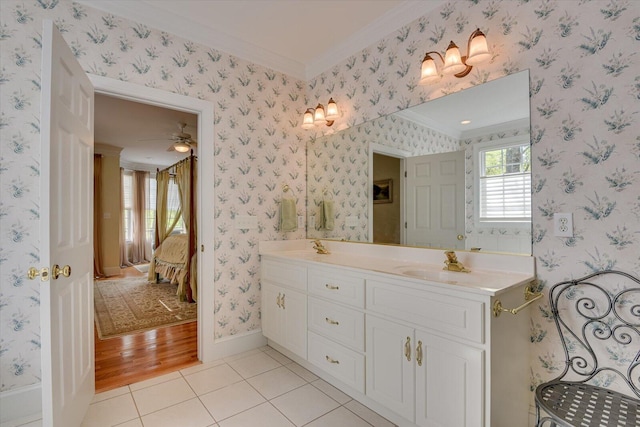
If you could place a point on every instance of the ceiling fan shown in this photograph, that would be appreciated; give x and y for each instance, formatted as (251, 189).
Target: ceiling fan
(182, 140)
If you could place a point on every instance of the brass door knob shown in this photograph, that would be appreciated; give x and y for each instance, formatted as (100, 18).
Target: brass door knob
(56, 271)
(33, 272)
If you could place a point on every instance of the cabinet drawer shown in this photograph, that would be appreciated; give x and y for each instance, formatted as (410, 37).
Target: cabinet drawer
(332, 285)
(285, 274)
(338, 361)
(449, 314)
(338, 323)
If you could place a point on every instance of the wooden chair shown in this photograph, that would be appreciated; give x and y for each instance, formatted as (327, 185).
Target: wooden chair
(598, 319)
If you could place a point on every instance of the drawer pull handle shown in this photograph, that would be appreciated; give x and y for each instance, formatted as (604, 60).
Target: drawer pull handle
(282, 301)
(332, 287)
(278, 300)
(331, 321)
(407, 349)
(419, 353)
(330, 360)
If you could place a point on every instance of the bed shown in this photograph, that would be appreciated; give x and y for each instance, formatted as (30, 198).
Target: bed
(170, 262)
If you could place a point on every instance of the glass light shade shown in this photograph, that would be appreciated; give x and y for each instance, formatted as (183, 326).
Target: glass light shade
(478, 49)
(452, 60)
(318, 116)
(307, 119)
(181, 147)
(332, 110)
(429, 71)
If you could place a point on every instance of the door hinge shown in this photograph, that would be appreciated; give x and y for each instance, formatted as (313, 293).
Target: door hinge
(405, 174)
(201, 248)
(405, 225)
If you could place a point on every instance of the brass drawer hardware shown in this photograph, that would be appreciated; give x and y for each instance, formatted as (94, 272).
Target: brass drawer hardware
(279, 300)
(419, 353)
(330, 360)
(332, 287)
(407, 349)
(529, 297)
(331, 321)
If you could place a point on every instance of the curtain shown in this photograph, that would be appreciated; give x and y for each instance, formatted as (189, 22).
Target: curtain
(138, 247)
(185, 178)
(162, 228)
(97, 216)
(124, 259)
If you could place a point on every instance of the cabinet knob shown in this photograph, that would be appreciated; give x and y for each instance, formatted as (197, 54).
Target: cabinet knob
(419, 353)
(407, 349)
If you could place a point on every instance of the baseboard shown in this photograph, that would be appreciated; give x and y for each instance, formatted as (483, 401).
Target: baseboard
(112, 271)
(234, 344)
(21, 403)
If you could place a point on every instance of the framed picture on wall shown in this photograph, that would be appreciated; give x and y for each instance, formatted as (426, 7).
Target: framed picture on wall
(383, 191)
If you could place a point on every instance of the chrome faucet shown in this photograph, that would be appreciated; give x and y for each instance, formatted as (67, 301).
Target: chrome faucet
(317, 245)
(452, 263)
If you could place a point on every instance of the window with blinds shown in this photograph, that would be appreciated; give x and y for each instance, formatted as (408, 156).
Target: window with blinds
(504, 183)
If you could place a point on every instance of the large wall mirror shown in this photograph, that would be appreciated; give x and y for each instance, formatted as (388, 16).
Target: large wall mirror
(467, 185)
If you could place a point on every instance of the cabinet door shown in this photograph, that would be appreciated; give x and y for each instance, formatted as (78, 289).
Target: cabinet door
(390, 365)
(271, 312)
(294, 322)
(449, 384)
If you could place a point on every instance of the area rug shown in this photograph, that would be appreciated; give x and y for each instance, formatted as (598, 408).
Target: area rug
(132, 305)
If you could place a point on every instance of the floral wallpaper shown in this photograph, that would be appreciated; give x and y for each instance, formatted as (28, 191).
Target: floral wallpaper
(583, 62)
(259, 146)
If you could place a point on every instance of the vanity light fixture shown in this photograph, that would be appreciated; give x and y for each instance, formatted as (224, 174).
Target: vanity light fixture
(317, 116)
(453, 62)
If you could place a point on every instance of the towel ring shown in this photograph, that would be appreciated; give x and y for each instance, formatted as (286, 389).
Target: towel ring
(285, 188)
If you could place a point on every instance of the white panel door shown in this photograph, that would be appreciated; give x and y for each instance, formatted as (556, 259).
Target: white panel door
(66, 218)
(449, 383)
(272, 312)
(390, 365)
(294, 306)
(435, 200)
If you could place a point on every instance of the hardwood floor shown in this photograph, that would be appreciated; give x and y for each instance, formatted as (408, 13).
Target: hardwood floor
(131, 358)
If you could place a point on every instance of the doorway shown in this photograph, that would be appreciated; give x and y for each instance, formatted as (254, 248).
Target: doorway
(204, 112)
(134, 140)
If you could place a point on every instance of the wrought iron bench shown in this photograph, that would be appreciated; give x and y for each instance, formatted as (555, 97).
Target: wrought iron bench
(598, 319)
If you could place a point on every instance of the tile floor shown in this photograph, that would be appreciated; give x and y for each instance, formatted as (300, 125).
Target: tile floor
(257, 388)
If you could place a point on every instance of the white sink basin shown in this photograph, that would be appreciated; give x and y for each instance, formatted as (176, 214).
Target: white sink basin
(439, 275)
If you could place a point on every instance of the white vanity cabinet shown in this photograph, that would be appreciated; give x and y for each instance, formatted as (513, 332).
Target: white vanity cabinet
(284, 305)
(420, 353)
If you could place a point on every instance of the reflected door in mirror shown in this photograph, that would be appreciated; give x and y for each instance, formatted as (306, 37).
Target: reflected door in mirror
(435, 200)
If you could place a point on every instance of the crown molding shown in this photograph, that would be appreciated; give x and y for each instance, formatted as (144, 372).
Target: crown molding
(146, 13)
(143, 11)
(107, 150)
(388, 23)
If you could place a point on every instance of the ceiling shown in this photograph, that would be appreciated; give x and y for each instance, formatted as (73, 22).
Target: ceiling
(301, 38)
(142, 131)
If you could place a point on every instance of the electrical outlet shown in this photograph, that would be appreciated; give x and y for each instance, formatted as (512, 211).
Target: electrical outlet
(312, 222)
(300, 222)
(563, 224)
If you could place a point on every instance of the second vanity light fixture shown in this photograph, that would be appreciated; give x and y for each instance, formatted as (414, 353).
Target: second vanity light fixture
(453, 63)
(318, 116)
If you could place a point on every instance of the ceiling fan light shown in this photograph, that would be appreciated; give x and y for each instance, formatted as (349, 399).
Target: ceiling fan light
(478, 48)
(452, 60)
(181, 147)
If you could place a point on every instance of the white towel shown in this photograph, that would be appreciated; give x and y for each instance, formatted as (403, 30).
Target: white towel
(288, 215)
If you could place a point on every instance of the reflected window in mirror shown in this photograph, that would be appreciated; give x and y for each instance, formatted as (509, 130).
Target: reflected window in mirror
(504, 182)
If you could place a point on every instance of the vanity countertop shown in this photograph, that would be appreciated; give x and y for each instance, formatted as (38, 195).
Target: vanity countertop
(417, 265)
